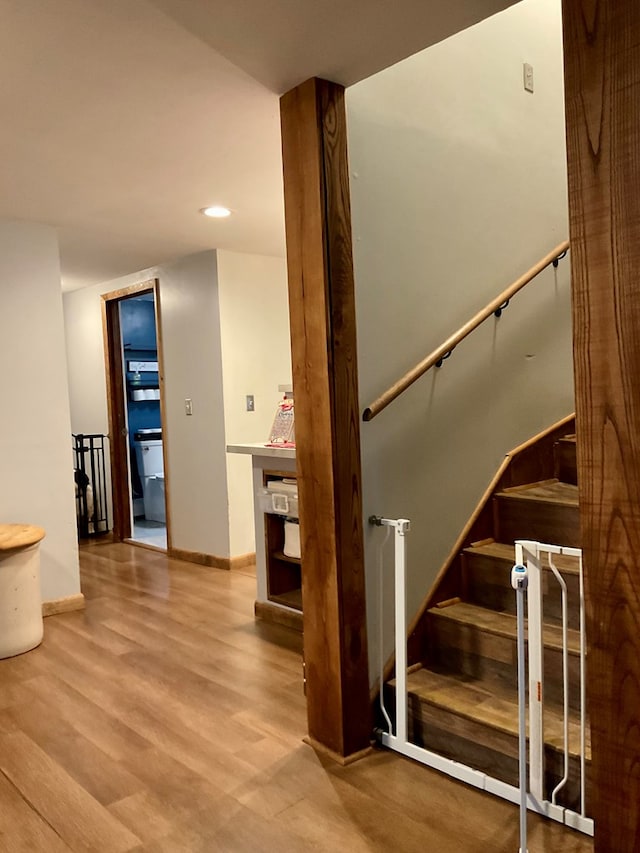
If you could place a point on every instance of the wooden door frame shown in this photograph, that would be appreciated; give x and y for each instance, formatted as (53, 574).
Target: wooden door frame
(116, 406)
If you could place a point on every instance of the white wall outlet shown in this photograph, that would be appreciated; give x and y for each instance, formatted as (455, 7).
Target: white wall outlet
(188, 406)
(251, 405)
(528, 77)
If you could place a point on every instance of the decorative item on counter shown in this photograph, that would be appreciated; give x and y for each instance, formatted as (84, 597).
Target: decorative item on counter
(283, 428)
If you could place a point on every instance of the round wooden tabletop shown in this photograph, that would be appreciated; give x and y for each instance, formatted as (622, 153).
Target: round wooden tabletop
(16, 536)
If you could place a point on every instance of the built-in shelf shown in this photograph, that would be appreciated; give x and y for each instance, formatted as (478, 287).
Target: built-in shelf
(280, 555)
(279, 578)
(284, 573)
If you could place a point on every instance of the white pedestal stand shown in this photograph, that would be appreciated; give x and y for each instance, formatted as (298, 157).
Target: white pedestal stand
(20, 595)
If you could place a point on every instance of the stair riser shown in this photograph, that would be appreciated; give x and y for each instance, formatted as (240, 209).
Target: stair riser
(565, 462)
(488, 750)
(492, 658)
(517, 518)
(486, 583)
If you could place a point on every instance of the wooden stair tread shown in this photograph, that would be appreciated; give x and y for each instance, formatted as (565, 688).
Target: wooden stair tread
(547, 491)
(502, 624)
(568, 439)
(506, 553)
(490, 706)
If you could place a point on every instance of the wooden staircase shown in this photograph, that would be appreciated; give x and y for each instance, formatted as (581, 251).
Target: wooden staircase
(462, 686)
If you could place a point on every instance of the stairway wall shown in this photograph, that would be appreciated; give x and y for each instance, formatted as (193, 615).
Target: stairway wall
(458, 185)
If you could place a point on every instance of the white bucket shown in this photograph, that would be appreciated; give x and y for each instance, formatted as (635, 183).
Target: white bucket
(154, 499)
(20, 601)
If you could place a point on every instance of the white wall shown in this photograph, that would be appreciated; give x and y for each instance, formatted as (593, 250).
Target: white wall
(256, 358)
(225, 331)
(37, 485)
(193, 369)
(196, 465)
(458, 187)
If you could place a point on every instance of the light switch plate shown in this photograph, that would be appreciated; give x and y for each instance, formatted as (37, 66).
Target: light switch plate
(251, 405)
(188, 406)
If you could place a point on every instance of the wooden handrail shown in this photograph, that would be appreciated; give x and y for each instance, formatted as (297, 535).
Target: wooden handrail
(444, 349)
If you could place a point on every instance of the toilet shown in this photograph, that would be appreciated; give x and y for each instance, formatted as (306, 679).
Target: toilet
(151, 468)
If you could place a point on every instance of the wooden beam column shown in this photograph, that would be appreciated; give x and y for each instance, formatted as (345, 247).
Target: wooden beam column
(325, 380)
(602, 65)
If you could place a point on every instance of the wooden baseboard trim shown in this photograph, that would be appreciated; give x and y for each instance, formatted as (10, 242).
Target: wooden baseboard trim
(278, 615)
(242, 561)
(145, 545)
(210, 560)
(63, 605)
(343, 760)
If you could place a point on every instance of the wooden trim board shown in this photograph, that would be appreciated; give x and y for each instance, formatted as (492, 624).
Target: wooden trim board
(117, 422)
(200, 558)
(211, 560)
(242, 561)
(343, 760)
(147, 545)
(63, 605)
(276, 615)
(131, 290)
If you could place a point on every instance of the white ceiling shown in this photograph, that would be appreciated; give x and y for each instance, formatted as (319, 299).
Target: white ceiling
(122, 118)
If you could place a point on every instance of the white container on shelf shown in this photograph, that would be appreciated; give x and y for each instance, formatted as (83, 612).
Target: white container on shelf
(292, 538)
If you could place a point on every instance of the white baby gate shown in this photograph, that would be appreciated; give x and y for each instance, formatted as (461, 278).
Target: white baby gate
(530, 555)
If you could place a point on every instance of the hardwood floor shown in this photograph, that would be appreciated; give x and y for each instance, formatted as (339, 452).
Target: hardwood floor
(164, 718)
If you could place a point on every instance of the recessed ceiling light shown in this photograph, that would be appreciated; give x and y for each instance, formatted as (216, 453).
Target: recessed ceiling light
(216, 212)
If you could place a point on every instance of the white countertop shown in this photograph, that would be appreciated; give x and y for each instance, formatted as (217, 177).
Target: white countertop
(261, 450)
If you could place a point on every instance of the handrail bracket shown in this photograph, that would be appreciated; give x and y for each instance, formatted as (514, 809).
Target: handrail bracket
(556, 261)
(443, 358)
(498, 312)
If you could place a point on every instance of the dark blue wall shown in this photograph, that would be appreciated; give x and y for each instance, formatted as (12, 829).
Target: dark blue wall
(138, 326)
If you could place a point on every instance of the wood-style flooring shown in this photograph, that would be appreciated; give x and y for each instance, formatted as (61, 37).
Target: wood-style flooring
(164, 718)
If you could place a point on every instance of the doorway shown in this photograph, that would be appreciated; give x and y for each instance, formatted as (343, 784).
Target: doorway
(133, 356)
